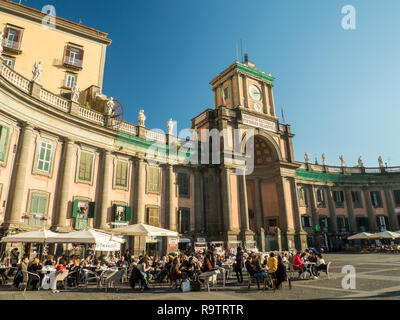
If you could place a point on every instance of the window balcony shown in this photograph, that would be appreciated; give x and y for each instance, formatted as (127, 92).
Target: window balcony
(73, 63)
(12, 46)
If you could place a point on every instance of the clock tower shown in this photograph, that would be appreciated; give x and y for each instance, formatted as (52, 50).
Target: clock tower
(242, 85)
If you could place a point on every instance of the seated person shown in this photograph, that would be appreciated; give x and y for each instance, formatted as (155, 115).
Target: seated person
(272, 263)
(321, 264)
(207, 265)
(35, 268)
(122, 263)
(49, 260)
(298, 264)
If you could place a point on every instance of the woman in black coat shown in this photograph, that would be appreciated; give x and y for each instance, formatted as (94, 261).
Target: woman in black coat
(239, 264)
(280, 273)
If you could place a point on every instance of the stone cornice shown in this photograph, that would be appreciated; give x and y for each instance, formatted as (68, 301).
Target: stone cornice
(61, 24)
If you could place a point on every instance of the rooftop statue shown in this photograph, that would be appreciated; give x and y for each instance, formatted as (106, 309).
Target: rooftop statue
(307, 157)
(170, 126)
(342, 162)
(110, 107)
(323, 159)
(37, 72)
(380, 161)
(360, 163)
(141, 118)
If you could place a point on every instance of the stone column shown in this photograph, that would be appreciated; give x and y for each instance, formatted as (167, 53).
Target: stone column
(170, 209)
(198, 199)
(350, 211)
(227, 204)
(271, 100)
(258, 205)
(62, 212)
(140, 185)
(244, 208)
(105, 192)
(370, 211)
(265, 99)
(300, 235)
(332, 213)
(245, 94)
(283, 225)
(393, 223)
(16, 206)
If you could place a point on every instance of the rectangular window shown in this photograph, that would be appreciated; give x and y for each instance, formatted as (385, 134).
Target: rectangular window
(152, 217)
(376, 199)
(12, 38)
(356, 197)
(85, 166)
(338, 198)
(70, 80)
(302, 197)
(342, 224)
(38, 204)
(362, 224)
(306, 221)
(382, 222)
(4, 133)
(396, 194)
(183, 184)
(183, 220)
(44, 156)
(121, 176)
(153, 180)
(320, 198)
(73, 56)
(226, 93)
(9, 61)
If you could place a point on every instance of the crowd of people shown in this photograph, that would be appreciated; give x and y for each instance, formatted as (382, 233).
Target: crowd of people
(271, 267)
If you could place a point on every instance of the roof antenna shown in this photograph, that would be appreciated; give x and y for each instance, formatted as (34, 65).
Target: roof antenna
(237, 52)
(241, 50)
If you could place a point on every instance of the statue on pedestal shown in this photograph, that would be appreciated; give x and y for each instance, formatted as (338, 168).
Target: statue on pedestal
(110, 107)
(37, 72)
(307, 157)
(75, 92)
(360, 163)
(170, 126)
(141, 118)
(323, 159)
(342, 162)
(380, 161)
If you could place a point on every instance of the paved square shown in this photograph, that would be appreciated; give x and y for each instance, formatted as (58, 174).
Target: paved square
(377, 277)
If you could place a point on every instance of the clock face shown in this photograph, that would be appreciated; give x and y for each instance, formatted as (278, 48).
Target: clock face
(255, 93)
(257, 107)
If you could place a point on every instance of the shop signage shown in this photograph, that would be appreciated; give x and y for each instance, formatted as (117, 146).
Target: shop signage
(201, 239)
(173, 242)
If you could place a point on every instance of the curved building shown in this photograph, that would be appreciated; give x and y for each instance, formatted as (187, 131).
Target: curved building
(68, 161)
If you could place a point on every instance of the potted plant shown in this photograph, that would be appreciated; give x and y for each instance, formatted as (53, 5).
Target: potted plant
(28, 216)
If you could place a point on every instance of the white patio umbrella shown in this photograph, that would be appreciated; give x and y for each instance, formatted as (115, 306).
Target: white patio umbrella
(386, 235)
(145, 230)
(89, 236)
(360, 236)
(37, 236)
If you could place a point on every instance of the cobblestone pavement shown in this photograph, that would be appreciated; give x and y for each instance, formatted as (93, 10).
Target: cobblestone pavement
(377, 277)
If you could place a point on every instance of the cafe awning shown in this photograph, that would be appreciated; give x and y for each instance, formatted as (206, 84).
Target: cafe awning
(145, 230)
(386, 235)
(360, 236)
(37, 236)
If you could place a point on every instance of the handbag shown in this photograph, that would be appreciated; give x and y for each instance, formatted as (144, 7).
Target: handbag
(185, 286)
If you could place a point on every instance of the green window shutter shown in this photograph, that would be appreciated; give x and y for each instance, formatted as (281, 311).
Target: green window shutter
(128, 214)
(92, 209)
(3, 142)
(34, 204)
(75, 209)
(42, 204)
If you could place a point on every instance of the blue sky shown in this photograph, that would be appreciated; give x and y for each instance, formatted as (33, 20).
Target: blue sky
(339, 88)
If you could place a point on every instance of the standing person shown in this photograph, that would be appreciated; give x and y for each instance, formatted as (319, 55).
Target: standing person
(128, 256)
(280, 272)
(14, 257)
(144, 268)
(239, 264)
